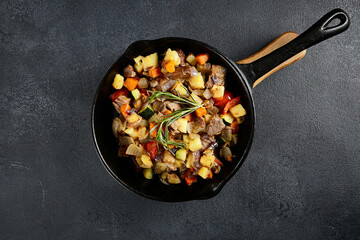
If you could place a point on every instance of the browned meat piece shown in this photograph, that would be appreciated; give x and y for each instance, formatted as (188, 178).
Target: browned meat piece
(159, 106)
(217, 76)
(129, 71)
(208, 103)
(197, 126)
(215, 126)
(117, 108)
(207, 141)
(172, 106)
(119, 102)
(182, 56)
(210, 108)
(182, 72)
(166, 84)
(226, 134)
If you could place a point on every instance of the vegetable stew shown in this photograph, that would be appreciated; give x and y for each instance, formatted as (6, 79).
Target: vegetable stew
(175, 118)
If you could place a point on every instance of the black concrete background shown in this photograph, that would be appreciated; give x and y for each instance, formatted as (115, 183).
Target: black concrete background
(301, 179)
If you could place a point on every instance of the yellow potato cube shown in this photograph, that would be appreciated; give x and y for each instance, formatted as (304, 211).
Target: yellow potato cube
(207, 160)
(238, 111)
(183, 123)
(195, 144)
(118, 82)
(204, 172)
(150, 61)
(191, 59)
(217, 91)
(172, 56)
(197, 82)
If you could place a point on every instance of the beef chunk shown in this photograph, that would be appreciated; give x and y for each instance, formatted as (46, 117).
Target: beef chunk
(215, 126)
(129, 71)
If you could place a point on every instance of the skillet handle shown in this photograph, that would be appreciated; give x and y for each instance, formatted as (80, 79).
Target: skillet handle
(275, 44)
(279, 58)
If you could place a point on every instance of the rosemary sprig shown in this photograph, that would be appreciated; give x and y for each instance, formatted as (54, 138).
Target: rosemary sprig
(164, 123)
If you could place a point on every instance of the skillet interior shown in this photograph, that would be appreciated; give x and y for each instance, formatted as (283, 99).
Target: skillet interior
(121, 168)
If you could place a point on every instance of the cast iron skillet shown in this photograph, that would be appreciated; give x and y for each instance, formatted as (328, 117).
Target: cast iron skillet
(239, 80)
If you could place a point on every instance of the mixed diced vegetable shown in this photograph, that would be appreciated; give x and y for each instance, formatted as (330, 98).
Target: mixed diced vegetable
(175, 118)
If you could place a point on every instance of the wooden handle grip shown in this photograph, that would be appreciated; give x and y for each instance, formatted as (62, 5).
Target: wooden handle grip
(275, 44)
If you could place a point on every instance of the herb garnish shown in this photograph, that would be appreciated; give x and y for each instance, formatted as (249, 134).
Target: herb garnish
(164, 123)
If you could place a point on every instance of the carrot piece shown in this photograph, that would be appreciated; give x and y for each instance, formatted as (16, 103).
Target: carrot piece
(188, 117)
(166, 112)
(131, 83)
(155, 72)
(200, 112)
(190, 180)
(202, 58)
(210, 174)
(124, 108)
(170, 66)
(154, 132)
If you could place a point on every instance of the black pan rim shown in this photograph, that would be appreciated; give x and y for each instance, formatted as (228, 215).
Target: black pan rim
(242, 158)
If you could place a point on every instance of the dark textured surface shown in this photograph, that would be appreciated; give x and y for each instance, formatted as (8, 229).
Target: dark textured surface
(301, 179)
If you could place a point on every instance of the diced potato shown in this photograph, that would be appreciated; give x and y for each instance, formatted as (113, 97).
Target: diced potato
(173, 178)
(179, 163)
(133, 118)
(180, 89)
(138, 64)
(194, 136)
(196, 98)
(148, 173)
(195, 144)
(208, 118)
(182, 125)
(159, 167)
(146, 161)
(172, 55)
(197, 82)
(168, 157)
(181, 154)
(118, 82)
(204, 172)
(186, 138)
(189, 161)
(238, 111)
(207, 160)
(150, 61)
(191, 59)
(217, 91)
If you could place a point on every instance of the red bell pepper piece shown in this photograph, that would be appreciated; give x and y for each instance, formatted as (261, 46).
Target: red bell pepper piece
(219, 162)
(224, 100)
(151, 148)
(119, 93)
(234, 127)
(230, 104)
